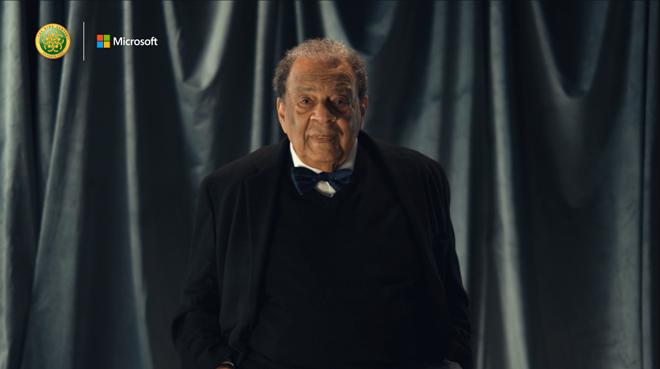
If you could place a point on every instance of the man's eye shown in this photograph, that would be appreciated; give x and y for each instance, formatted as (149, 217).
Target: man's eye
(340, 102)
(304, 101)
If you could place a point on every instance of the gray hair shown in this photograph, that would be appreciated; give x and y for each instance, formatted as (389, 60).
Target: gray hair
(320, 49)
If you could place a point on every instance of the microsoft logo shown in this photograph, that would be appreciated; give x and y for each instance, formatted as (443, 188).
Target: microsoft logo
(102, 41)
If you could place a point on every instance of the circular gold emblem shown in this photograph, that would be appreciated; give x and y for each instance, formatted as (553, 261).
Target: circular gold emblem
(52, 41)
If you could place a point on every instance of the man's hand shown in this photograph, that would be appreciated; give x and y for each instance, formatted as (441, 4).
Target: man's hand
(452, 365)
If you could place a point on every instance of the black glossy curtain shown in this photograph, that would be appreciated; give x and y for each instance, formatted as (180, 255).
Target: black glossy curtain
(544, 115)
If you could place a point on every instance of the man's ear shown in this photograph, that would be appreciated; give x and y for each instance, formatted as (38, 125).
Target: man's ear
(363, 110)
(280, 113)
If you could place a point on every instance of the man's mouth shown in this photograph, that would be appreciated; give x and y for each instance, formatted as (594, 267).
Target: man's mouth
(322, 138)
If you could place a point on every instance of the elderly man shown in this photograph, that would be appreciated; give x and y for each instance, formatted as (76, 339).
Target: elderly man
(328, 250)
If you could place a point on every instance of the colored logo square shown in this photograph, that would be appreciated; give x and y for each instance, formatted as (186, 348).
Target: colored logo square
(102, 41)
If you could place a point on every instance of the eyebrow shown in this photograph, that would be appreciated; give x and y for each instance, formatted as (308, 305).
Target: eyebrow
(342, 89)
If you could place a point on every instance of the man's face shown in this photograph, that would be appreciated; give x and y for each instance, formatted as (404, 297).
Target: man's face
(321, 114)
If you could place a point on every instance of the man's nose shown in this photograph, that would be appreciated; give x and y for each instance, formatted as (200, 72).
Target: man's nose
(323, 112)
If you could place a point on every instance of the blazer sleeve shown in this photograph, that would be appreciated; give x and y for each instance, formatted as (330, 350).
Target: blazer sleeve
(459, 322)
(457, 299)
(196, 329)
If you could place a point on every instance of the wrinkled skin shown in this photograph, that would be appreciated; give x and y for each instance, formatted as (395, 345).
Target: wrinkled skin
(321, 113)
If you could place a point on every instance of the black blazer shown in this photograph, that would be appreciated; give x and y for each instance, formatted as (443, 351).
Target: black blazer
(232, 232)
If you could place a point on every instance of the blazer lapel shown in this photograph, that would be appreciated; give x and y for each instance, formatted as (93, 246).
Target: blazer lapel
(409, 184)
(262, 189)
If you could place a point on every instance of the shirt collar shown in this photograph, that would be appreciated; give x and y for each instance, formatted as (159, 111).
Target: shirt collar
(348, 164)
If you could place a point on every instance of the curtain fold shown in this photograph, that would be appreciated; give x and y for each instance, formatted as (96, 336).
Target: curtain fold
(544, 115)
(19, 195)
(648, 319)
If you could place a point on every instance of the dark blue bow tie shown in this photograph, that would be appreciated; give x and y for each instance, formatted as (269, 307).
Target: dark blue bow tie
(306, 179)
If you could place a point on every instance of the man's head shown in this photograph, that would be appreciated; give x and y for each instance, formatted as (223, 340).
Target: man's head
(321, 88)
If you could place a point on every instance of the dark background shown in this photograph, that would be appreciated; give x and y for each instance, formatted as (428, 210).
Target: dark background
(544, 115)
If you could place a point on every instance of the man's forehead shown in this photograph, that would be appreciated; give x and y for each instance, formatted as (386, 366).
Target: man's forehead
(307, 74)
(340, 87)
(320, 85)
